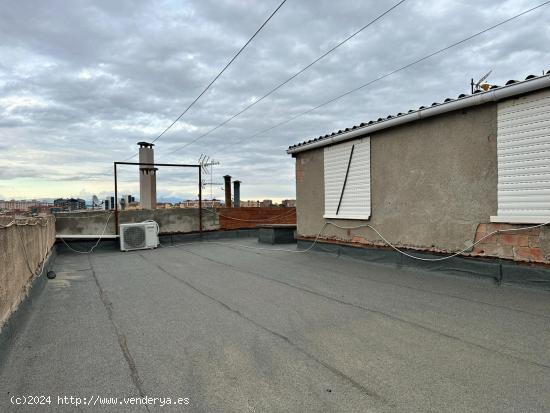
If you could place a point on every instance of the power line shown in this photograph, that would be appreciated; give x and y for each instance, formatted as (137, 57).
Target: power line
(218, 75)
(349, 92)
(280, 85)
(223, 70)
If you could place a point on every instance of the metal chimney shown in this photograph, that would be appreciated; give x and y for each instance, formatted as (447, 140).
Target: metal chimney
(147, 177)
(236, 194)
(227, 181)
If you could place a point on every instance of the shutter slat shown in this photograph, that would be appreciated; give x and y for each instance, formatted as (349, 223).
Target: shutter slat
(521, 127)
(521, 135)
(525, 113)
(537, 139)
(536, 169)
(522, 104)
(517, 178)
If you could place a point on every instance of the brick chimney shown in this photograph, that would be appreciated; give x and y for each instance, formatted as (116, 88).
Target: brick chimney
(227, 181)
(236, 194)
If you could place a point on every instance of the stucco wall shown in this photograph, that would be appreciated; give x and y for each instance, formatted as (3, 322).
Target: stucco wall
(16, 243)
(172, 220)
(432, 182)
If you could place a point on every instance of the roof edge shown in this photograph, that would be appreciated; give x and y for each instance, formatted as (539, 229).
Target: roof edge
(492, 95)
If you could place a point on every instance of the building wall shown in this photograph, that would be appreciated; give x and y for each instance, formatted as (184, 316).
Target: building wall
(234, 218)
(172, 220)
(531, 245)
(432, 182)
(17, 243)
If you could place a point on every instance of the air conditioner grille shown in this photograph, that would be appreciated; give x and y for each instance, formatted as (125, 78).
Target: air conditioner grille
(134, 237)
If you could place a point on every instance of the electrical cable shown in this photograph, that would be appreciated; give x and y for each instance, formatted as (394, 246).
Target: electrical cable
(293, 211)
(223, 70)
(212, 211)
(378, 233)
(217, 76)
(280, 85)
(415, 62)
(95, 245)
(27, 260)
(498, 231)
(388, 243)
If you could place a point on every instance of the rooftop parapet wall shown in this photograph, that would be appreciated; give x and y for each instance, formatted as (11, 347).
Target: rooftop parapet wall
(30, 239)
(235, 218)
(174, 220)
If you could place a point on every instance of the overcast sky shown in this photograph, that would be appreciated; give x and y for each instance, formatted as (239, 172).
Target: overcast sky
(82, 81)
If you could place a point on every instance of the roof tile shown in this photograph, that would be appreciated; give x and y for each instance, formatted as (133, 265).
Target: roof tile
(371, 122)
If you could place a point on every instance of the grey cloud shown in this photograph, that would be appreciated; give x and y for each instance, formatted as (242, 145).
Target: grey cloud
(108, 74)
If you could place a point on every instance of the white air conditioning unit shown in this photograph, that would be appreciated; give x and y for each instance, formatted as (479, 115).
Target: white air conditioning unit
(140, 236)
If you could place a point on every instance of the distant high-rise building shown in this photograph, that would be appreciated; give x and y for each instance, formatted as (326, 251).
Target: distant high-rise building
(126, 201)
(267, 203)
(70, 204)
(288, 203)
(21, 205)
(250, 204)
(109, 203)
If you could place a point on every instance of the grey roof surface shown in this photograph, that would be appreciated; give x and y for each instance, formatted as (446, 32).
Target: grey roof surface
(388, 117)
(239, 330)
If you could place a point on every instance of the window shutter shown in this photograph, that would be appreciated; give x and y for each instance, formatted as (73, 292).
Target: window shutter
(347, 180)
(523, 142)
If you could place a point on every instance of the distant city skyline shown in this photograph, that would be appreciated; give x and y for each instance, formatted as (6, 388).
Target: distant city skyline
(160, 200)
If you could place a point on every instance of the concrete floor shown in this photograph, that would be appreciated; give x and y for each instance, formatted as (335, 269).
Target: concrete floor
(239, 330)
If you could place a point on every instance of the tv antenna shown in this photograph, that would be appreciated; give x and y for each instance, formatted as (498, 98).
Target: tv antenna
(206, 164)
(95, 202)
(478, 85)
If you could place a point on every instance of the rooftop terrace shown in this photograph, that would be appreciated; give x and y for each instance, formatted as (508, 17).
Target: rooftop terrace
(241, 329)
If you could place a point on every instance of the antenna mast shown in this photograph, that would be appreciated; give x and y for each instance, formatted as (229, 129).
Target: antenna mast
(207, 164)
(478, 86)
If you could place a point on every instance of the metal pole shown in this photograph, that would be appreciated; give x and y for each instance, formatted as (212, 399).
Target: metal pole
(200, 201)
(116, 202)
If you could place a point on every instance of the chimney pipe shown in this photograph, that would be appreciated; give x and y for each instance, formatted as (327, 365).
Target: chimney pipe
(147, 177)
(227, 181)
(236, 194)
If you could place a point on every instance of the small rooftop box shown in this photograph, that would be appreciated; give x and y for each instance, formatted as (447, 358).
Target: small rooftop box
(276, 233)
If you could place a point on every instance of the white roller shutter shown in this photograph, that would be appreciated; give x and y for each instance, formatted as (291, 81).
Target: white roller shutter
(523, 142)
(347, 180)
